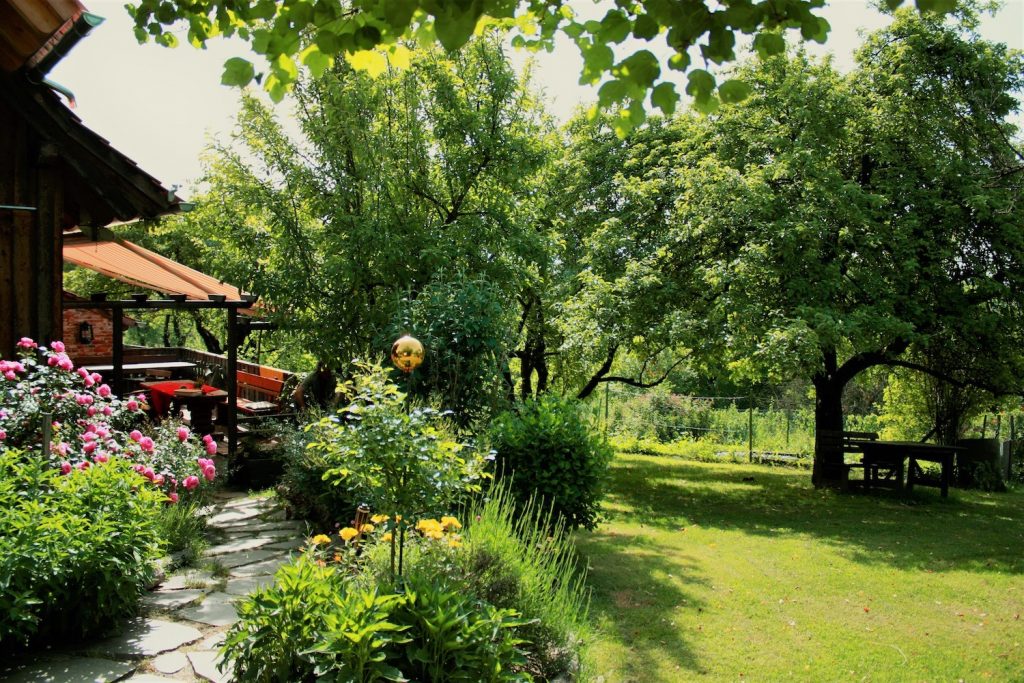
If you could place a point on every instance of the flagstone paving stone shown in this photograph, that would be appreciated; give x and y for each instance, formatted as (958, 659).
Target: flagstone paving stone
(187, 580)
(248, 557)
(172, 599)
(246, 585)
(147, 637)
(237, 545)
(67, 669)
(170, 663)
(205, 665)
(151, 678)
(216, 610)
(260, 568)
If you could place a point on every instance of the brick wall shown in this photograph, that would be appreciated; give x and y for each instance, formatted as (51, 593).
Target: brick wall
(102, 333)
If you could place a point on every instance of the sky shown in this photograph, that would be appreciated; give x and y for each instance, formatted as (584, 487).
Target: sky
(162, 107)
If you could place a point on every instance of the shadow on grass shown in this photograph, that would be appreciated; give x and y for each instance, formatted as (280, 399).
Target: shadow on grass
(638, 588)
(969, 531)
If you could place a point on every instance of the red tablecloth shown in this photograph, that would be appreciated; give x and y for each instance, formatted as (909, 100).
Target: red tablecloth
(162, 393)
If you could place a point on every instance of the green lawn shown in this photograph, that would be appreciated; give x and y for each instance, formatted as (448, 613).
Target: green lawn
(736, 572)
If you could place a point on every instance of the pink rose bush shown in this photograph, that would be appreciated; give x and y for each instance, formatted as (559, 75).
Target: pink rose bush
(89, 424)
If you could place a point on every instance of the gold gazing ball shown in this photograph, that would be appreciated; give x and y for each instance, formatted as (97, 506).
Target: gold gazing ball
(407, 353)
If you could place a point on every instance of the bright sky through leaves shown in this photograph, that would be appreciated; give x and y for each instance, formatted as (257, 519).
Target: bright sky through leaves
(159, 105)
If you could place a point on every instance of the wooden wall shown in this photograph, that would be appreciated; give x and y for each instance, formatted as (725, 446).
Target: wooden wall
(31, 257)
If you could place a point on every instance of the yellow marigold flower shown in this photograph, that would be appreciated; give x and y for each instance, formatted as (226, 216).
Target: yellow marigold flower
(455, 541)
(426, 526)
(321, 539)
(379, 519)
(348, 533)
(386, 537)
(367, 528)
(435, 534)
(450, 523)
(337, 557)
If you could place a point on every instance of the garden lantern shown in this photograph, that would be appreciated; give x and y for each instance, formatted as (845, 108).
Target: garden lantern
(407, 353)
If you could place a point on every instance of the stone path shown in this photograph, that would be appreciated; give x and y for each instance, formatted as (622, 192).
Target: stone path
(185, 618)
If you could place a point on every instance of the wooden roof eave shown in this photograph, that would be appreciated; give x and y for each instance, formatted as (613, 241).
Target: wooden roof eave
(129, 192)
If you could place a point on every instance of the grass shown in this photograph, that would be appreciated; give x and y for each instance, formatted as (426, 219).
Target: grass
(724, 571)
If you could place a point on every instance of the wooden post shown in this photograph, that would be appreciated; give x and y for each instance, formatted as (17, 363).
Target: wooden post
(984, 425)
(117, 378)
(750, 430)
(232, 381)
(999, 425)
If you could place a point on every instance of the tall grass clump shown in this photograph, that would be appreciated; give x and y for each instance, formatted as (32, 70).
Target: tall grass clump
(183, 529)
(518, 557)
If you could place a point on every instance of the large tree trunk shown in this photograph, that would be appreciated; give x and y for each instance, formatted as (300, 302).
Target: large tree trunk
(828, 416)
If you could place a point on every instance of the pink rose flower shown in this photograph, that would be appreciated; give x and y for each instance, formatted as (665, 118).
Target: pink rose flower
(191, 481)
(209, 472)
(104, 391)
(172, 497)
(207, 438)
(100, 457)
(65, 467)
(183, 433)
(57, 346)
(3, 435)
(89, 447)
(91, 411)
(62, 448)
(52, 361)
(148, 473)
(146, 444)
(96, 377)
(88, 382)
(10, 375)
(83, 373)
(132, 405)
(84, 465)
(211, 448)
(65, 364)
(108, 411)
(135, 435)
(158, 480)
(26, 343)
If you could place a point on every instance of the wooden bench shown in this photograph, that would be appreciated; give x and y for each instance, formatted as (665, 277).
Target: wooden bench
(876, 473)
(259, 394)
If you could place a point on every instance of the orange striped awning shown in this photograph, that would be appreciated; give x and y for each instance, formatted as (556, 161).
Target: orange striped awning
(140, 267)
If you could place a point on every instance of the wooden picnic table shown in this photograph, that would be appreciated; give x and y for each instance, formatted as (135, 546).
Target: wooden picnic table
(894, 453)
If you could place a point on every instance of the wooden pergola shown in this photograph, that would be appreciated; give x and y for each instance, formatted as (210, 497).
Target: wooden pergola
(235, 329)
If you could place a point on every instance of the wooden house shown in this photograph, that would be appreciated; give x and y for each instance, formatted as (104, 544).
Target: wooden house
(56, 175)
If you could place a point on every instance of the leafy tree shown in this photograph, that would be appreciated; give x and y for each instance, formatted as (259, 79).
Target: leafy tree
(822, 227)
(399, 193)
(870, 215)
(315, 34)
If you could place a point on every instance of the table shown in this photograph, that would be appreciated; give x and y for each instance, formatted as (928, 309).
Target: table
(893, 454)
(200, 406)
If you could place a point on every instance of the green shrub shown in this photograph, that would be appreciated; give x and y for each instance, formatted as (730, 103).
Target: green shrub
(279, 627)
(314, 624)
(76, 550)
(303, 488)
(550, 451)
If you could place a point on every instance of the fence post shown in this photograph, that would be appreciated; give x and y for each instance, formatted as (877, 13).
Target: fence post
(999, 425)
(750, 429)
(984, 425)
(787, 429)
